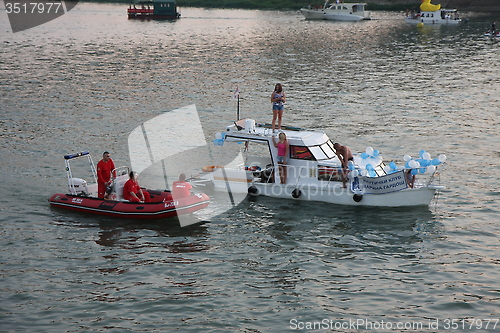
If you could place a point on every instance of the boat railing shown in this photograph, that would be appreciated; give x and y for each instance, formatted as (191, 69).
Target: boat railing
(121, 170)
(71, 180)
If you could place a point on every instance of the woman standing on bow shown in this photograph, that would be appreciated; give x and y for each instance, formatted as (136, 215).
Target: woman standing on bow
(278, 98)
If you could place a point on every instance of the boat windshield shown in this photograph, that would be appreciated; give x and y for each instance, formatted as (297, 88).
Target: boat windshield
(321, 152)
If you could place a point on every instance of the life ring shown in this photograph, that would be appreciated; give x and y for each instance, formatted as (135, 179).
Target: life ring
(210, 168)
(296, 193)
(357, 197)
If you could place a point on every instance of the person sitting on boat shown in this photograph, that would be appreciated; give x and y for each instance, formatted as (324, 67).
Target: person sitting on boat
(410, 178)
(105, 174)
(278, 98)
(283, 149)
(344, 154)
(133, 192)
(180, 188)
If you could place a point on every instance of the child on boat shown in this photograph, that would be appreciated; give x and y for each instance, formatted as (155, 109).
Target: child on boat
(283, 149)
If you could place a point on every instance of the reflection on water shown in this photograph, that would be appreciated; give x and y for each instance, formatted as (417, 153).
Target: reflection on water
(86, 80)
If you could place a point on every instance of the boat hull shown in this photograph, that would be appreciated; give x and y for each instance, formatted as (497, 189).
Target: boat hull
(163, 206)
(139, 16)
(334, 194)
(343, 17)
(432, 21)
(333, 15)
(313, 14)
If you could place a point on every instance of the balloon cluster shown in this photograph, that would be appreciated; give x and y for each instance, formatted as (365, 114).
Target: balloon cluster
(423, 164)
(368, 169)
(391, 168)
(370, 153)
(219, 139)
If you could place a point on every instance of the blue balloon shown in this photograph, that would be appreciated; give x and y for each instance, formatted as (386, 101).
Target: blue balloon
(414, 172)
(422, 170)
(372, 173)
(218, 142)
(393, 165)
(376, 153)
(421, 153)
(369, 167)
(351, 167)
(407, 165)
(425, 163)
(436, 161)
(364, 155)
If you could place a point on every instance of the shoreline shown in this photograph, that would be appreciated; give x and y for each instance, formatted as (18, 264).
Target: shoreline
(297, 4)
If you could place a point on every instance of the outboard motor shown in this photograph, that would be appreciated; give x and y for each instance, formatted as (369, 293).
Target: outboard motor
(78, 186)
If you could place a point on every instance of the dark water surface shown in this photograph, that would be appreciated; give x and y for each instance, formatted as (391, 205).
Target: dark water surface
(85, 80)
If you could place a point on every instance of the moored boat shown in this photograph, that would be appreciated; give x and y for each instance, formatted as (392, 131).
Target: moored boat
(154, 9)
(314, 171)
(338, 11)
(82, 197)
(491, 33)
(433, 14)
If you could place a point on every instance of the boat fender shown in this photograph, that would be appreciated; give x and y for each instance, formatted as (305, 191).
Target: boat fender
(253, 190)
(296, 193)
(357, 197)
(210, 168)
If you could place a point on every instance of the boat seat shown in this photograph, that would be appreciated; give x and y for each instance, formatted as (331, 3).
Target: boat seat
(119, 184)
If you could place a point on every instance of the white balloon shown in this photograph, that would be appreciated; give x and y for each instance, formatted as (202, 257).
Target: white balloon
(363, 172)
(414, 164)
(442, 158)
(218, 136)
(369, 151)
(431, 169)
(387, 169)
(407, 158)
(426, 156)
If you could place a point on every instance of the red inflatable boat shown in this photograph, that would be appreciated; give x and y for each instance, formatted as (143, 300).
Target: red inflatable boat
(82, 197)
(161, 206)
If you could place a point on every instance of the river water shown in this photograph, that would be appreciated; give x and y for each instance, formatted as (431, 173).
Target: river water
(85, 80)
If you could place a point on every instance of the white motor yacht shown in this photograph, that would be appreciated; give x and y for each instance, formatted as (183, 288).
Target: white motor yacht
(314, 171)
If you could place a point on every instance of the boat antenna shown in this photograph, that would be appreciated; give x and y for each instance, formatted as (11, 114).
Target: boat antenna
(237, 96)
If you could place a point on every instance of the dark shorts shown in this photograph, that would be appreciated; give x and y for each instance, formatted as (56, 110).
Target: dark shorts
(278, 107)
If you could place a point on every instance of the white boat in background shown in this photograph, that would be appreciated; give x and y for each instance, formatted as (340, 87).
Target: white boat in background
(314, 171)
(433, 14)
(338, 11)
(441, 16)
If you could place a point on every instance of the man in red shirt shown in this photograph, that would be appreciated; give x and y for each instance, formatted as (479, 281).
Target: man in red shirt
(133, 192)
(181, 189)
(105, 173)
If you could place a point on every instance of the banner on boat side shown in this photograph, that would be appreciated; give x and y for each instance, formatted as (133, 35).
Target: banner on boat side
(379, 185)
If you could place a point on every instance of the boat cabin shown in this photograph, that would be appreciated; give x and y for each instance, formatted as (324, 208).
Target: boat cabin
(311, 157)
(154, 9)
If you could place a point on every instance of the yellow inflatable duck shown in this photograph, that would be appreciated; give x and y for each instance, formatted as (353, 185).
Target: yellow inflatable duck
(426, 6)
